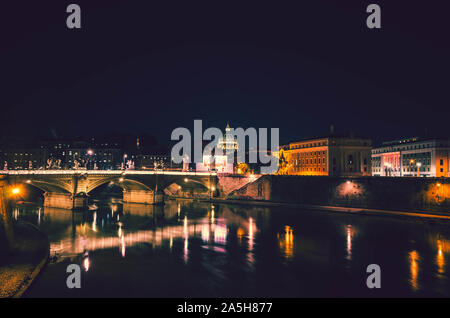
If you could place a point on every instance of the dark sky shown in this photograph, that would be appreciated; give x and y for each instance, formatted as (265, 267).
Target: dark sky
(152, 66)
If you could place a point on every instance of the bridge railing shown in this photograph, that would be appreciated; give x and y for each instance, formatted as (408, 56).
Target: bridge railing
(108, 172)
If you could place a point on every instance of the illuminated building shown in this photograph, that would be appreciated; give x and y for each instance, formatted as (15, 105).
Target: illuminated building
(412, 157)
(23, 158)
(327, 156)
(225, 162)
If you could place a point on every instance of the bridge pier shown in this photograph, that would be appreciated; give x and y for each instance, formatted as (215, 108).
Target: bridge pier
(143, 196)
(64, 201)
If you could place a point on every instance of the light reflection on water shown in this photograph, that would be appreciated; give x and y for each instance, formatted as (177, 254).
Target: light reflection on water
(232, 251)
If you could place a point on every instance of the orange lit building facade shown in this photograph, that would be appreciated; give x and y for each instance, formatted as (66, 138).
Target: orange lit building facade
(328, 156)
(412, 157)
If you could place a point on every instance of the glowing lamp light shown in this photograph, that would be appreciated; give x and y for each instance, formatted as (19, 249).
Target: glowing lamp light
(28, 181)
(15, 191)
(121, 179)
(438, 184)
(419, 164)
(348, 182)
(90, 152)
(213, 188)
(185, 180)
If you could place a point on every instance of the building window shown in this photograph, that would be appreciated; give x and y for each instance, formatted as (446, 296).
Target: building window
(442, 162)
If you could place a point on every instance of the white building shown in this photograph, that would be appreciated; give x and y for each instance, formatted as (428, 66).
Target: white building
(222, 163)
(424, 157)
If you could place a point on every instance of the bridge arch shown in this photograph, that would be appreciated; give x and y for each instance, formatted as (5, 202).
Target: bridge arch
(45, 186)
(127, 184)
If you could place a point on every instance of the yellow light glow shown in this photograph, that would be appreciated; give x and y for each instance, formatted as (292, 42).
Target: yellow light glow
(414, 269)
(287, 244)
(440, 260)
(86, 264)
(15, 191)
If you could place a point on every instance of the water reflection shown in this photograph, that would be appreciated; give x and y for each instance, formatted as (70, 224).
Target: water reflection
(286, 242)
(414, 259)
(86, 262)
(350, 232)
(440, 259)
(227, 250)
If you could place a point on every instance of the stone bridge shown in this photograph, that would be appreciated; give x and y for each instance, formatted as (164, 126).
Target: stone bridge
(69, 189)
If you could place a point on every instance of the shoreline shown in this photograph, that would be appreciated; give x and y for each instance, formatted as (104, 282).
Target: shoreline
(20, 273)
(351, 210)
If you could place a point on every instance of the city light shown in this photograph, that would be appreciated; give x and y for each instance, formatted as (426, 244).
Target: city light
(90, 152)
(15, 191)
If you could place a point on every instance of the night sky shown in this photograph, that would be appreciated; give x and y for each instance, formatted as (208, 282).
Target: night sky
(152, 66)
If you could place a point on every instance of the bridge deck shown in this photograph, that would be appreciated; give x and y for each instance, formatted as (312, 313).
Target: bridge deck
(105, 172)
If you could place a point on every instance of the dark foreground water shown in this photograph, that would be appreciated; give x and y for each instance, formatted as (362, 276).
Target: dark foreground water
(187, 249)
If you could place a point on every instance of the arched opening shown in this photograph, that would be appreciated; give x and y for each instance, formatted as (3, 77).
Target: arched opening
(189, 188)
(33, 191)
(119, 190)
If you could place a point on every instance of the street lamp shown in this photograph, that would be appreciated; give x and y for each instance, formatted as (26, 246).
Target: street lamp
(124, 161)
(410, 166)
(90, 153)
(418, 168)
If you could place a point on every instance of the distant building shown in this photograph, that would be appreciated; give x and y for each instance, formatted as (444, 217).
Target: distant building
(327, 156)
(424, 157)
(225, 162)
(152, 161)
(23, 159)
(71, 154)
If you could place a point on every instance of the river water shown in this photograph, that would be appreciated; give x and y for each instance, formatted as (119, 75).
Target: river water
(195, 249)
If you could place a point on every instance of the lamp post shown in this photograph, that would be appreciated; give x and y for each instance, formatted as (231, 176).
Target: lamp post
(410, 166)
(124, 161)
(387, 168)
(90, 153)
(418, 168)
(6, 224)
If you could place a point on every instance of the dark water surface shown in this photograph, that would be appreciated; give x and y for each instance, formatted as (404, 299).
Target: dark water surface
(192, 249)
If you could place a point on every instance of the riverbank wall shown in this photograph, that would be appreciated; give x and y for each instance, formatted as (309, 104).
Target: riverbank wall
(384, 193)
(427, 194)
